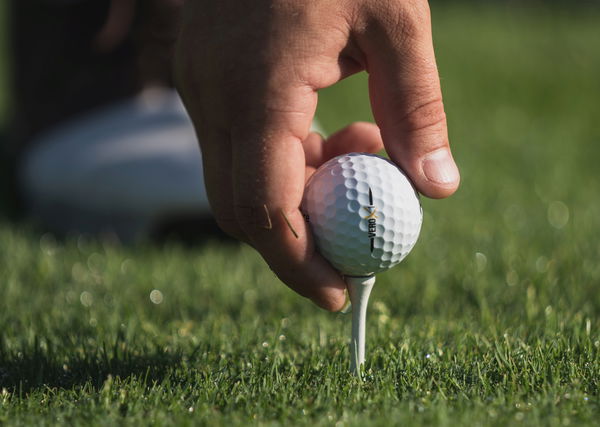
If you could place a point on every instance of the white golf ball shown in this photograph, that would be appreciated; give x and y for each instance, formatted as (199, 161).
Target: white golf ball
(364, 213)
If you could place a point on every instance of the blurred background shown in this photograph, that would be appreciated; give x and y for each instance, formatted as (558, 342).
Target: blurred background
(509, 263)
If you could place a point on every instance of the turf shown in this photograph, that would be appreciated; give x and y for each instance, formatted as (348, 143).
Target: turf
(492, 320)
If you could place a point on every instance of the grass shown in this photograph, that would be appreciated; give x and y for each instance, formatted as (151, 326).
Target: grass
(492, 320)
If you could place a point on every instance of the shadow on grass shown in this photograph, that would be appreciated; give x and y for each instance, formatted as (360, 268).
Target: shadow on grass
(42, 365)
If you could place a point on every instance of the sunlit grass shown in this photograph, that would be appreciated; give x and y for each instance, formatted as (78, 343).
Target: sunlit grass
(493, 319)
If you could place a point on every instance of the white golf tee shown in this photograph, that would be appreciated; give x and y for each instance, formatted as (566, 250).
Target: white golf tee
(359, 289)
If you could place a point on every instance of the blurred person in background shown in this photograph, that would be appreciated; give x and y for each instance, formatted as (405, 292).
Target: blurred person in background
(249, 73)
(102, 138)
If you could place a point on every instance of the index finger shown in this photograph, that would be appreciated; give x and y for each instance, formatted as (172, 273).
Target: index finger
(268, 181)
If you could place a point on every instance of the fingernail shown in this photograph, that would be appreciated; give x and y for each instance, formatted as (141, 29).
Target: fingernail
(347, 304)
(439, 167)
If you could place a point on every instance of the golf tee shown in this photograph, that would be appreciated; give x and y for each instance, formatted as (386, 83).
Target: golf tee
(359, 289)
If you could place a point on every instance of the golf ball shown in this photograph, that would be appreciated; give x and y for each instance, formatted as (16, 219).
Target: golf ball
(364, 213)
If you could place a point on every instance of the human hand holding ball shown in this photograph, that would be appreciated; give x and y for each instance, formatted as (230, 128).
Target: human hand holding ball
(249, 74)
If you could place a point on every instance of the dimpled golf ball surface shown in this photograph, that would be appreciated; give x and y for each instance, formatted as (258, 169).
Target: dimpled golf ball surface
(364, 213)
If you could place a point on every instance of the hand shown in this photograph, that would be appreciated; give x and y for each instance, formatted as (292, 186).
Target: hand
(249, 73)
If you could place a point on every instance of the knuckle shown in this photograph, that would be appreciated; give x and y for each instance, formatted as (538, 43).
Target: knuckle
(418, 11)
(426, 115)
(404, 29)
(399, 22)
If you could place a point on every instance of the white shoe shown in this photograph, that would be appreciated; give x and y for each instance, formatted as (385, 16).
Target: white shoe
(123, 168)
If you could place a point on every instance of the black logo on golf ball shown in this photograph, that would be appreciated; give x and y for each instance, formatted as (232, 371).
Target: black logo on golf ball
(371, 218)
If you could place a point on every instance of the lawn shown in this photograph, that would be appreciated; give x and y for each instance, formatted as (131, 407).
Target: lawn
(493, 319)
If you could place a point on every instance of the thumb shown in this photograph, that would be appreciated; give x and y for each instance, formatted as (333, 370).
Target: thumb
(407, 100)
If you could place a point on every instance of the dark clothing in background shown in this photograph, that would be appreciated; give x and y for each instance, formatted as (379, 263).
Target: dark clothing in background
(57, 74)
